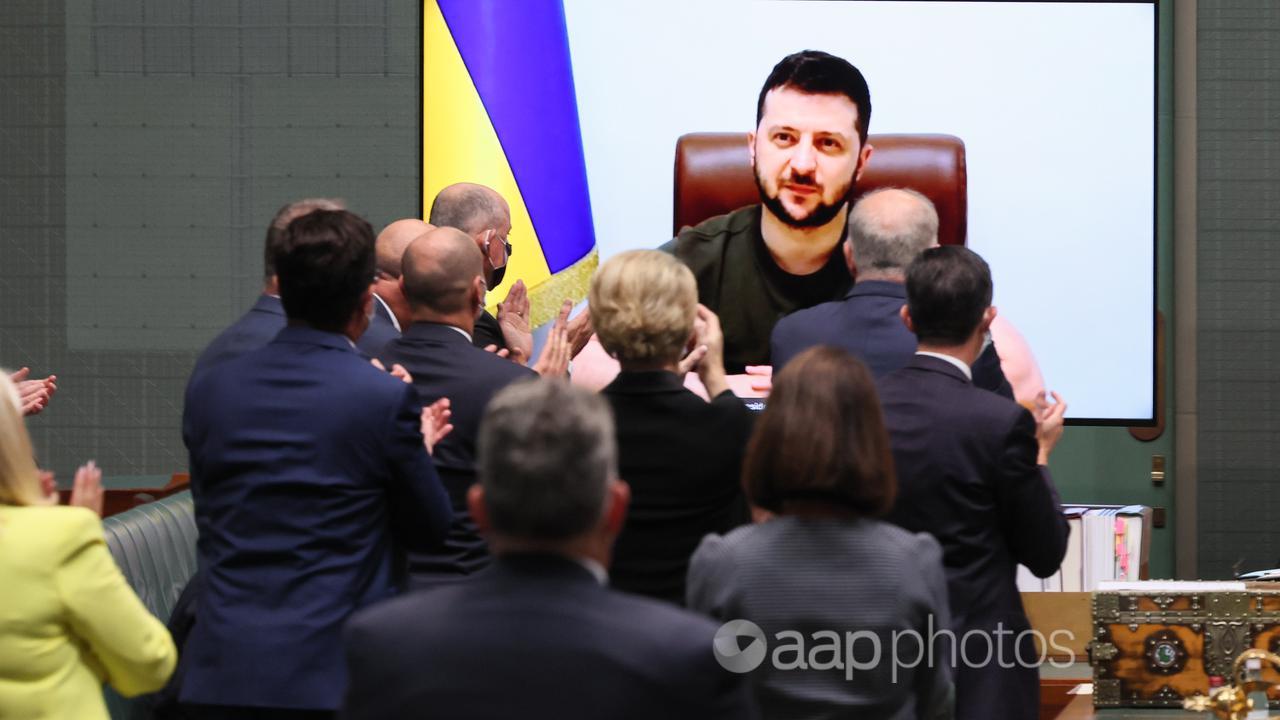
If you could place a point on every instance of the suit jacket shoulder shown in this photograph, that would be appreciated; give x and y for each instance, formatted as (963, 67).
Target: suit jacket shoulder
(249, 332)
(575, 648)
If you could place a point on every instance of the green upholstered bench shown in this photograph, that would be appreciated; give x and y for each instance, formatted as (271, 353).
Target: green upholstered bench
(155, 546)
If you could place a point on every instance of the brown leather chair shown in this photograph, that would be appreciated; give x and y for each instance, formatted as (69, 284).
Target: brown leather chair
(713, 176)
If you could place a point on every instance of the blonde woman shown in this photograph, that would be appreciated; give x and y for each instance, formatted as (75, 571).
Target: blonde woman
(682, 455)
(68, 619)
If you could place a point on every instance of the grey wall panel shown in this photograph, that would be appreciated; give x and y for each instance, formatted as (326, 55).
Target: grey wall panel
(1237, 294)
(144, 145)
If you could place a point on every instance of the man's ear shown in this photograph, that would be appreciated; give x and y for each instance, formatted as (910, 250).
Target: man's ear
(479, 511)
(751, 147)
(849, 261)
(988, 315)
(617, 499)
(478, 289)
(906, 319)
(863, 158)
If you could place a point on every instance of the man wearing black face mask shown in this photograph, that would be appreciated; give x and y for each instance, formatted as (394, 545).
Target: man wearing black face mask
(481, 212)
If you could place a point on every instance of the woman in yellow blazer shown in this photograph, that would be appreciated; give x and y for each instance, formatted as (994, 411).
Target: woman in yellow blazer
(68, 619)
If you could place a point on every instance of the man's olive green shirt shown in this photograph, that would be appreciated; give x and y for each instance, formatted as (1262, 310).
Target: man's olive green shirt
(739, 281)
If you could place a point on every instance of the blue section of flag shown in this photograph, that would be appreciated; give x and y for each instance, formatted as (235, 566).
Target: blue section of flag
(518, 56)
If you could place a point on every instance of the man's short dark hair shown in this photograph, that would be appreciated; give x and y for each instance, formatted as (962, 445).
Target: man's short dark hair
(822, 439)
(545, 456)
(325, 265)
(281, 220)
(948, 290)
(819, 73)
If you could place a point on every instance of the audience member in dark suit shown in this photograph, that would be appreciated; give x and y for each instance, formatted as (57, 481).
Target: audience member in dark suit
(972, 471)
(444, 284)
(888, 228)
(538, 634)
(266, 318)
(483, 214)
(681, 455)
(390, 309)
(309, 472)
(819, 460)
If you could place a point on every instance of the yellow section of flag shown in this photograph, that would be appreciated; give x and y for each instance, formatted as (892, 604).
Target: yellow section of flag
(459, 144)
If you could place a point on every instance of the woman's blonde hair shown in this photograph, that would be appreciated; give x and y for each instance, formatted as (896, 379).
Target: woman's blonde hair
(19, 479)
(643, 304)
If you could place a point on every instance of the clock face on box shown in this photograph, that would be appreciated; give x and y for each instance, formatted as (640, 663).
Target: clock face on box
(1165, 653)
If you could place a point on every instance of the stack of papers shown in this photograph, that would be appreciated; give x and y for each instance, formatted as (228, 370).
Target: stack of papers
(1105, 545)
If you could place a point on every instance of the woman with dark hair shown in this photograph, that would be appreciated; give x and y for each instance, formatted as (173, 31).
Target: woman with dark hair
(849, 605)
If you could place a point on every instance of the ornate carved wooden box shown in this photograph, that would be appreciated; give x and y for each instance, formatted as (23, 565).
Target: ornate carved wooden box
(1152, 649)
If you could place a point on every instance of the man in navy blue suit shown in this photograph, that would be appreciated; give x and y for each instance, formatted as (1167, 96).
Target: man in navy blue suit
(266, 318)
(972, 471)
(888, 228)
(539, 634)
(444, 283)
(390, 308)
(310, 476)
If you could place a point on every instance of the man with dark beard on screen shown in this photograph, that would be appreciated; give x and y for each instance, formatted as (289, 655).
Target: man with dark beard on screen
(761, 262)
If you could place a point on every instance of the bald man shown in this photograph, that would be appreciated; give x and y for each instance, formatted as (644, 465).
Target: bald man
(484, 215)
(443, 282)
(888, 228)
(390, 309)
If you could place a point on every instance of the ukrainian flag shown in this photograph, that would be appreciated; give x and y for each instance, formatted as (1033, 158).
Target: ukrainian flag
(499, 109)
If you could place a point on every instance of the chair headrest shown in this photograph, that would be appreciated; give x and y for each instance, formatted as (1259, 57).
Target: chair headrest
(713, 176)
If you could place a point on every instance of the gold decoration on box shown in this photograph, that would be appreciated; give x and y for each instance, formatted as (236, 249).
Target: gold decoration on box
(1232, 702)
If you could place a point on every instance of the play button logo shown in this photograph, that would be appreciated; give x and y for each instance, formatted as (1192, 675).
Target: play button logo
(740, 646)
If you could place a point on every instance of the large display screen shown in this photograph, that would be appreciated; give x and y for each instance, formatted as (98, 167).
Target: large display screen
(1055, 102)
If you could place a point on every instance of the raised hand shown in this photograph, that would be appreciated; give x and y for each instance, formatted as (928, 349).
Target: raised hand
(580, 332)
(48, 487)
(690, 361)
(87, 490)
(513, 318)
(494, 349)
(398, 371)
(1049, 423)
(435, 423)
(761, 377)
(554, 361)
(33, 395)
(707, 334)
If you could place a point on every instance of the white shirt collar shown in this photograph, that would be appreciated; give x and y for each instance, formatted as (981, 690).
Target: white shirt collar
(596, 569)
(953, 360)
(465, 334)
(394, 321)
